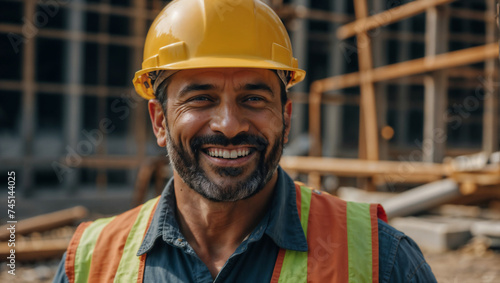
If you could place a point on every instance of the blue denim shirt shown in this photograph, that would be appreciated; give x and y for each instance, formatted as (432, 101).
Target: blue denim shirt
(170, 258)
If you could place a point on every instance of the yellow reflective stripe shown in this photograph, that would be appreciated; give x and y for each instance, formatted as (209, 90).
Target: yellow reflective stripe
(359, 242)
(83, 255)
(128, 269)
(294, 268)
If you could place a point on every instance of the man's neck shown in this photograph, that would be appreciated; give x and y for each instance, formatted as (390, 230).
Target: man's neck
(216, 229)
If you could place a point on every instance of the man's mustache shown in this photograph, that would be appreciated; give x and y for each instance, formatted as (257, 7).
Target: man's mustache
(220, 139)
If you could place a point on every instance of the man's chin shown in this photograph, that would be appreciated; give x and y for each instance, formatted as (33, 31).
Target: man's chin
(226, 180)
(219, 174)
(230, 188)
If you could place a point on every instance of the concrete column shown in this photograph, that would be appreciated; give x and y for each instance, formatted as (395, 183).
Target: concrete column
(436, 86)
(300, 40)
(102, 80)
(403, 102)
(333, 114)
(73, 84)
(139, 107)
(28, 102)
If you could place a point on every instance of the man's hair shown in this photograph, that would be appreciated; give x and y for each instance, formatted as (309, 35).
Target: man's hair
(161, 93)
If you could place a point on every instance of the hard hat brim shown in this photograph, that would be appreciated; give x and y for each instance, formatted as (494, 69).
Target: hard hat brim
(212, 62)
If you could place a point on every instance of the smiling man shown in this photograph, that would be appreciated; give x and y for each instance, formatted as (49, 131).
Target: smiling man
(224, 131)
(216, 74)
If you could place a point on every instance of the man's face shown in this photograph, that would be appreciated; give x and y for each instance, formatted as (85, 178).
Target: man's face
(225, 129)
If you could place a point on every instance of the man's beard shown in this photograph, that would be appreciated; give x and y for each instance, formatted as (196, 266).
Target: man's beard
(188, 166)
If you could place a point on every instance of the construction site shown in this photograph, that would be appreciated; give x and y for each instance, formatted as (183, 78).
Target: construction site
(400, 106)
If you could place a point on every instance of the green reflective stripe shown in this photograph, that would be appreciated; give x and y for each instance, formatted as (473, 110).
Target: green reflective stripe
(128, 269)
(294, 267)
(359, 242)
(305, 205)
(83, 255)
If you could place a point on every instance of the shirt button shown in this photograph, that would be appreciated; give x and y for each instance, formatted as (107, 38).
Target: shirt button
(180, 243)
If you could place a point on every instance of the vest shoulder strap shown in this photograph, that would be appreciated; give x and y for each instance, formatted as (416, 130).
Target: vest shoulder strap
(105, 250)
(342, 240)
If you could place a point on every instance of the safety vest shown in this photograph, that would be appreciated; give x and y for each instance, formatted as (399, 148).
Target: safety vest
(342, 240)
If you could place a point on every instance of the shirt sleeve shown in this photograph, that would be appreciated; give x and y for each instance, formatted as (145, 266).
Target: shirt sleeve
(400, 258)
(61, 276)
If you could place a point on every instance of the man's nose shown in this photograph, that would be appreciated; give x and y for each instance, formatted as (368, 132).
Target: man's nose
(229, 120)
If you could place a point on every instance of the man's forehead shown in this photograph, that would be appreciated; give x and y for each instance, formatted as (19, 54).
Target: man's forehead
(222, 75)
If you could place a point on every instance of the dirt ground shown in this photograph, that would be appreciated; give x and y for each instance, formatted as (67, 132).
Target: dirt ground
(473, 263)
(459, 267)
(470, 264)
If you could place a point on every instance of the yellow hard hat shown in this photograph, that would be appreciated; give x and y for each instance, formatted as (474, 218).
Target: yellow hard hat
(192, 34)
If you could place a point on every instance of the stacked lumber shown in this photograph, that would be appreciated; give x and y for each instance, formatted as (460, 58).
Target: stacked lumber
(43, 236)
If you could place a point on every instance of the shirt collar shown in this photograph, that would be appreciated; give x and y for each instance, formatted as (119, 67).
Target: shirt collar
(283, 222)
(164, 222)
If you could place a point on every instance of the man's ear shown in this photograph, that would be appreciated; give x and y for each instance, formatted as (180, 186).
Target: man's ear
(158, 121)
(287, 117)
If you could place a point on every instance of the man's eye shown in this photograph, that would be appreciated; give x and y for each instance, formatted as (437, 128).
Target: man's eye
(199, 98)
(254, 99)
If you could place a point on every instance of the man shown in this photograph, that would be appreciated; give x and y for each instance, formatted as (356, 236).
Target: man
(216, 74)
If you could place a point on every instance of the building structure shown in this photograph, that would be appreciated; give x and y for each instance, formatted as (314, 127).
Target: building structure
(74, 131)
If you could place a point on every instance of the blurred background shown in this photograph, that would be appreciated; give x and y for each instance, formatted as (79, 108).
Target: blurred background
(413, 83)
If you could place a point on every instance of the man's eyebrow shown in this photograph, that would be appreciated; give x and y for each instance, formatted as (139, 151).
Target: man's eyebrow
(257, 86)
(195, 87)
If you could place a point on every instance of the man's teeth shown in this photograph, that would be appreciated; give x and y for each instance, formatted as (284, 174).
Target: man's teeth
(222, 153)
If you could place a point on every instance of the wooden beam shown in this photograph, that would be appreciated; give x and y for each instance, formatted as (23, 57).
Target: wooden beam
(368, 130)
(466, 73)
(468, 14)
(483, 179)
(302, 12)
(101, 37)
(45, 222)
(389, 171)
(474, 39)
(368, 139)
(387, 17)
(361, 168)
(412, 67)
(36, 250)
(109, 162)
(490, 90)
(404, 179)
(467, 37)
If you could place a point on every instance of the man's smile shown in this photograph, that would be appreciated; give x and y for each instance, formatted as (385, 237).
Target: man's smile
(229, 153)
(229, 156)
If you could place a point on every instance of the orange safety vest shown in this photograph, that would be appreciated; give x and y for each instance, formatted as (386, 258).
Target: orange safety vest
(342, 240)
